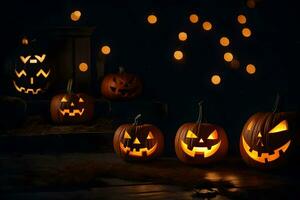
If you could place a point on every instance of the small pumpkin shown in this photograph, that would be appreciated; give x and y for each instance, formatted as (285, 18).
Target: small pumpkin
(135, 142)
(200, 143)
(266, 139)
(71, 108)
(31, 72)
(121, 86)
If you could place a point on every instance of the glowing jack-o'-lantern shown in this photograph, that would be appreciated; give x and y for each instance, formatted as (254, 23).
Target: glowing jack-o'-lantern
(200, 143)
(138, 142)
(266, 140)
(31, 73)
(121, 86)
(71, 108)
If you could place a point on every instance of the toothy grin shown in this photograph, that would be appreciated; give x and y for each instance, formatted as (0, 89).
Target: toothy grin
(206, 152)
(265, 157)
(73, 113)
(27, 90)
(138, 153)
(123, 92)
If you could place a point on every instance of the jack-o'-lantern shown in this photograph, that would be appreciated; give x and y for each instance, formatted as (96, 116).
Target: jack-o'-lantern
(200, 143)
(71, 108)
(134, 142)
(121, 86)
(266, 140)
(31, 73)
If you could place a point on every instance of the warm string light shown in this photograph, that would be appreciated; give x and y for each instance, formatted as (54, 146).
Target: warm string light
(105, 50)
(152, 19)
(75, 16)
(194, 18)
(251, 3)
(182, 36)
(242, 19)
(83, 67)
(246, 32)
(228, 57)
(224, 41)
(207, 26)
(251, 69)
(216, 79)
(178, 55)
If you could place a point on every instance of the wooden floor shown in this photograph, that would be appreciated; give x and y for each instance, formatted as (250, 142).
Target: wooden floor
(104, 176)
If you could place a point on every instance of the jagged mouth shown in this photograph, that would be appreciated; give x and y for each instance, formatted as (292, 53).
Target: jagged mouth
(138, 153)
(265, 157)
(123, 92)
(203, 151)
(73, 113)
(27, 90)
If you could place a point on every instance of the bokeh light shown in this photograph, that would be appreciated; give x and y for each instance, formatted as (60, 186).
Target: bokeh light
(106, 50)
(194, 18)
(246, 32)
(75, 16)
(228, 57)
(178, 55)
(242, 19)
(216, 79)
(152, 19)
(251, 69)
(251, 3)
(182, 36)
(224, 41)
(83, 67)
(207, 26)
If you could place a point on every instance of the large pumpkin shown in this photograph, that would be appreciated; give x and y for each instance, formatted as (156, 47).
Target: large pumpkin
(31, 72)
(121, 86)
(71, 108)
(138, 142)
(266, 140)
(200, 143)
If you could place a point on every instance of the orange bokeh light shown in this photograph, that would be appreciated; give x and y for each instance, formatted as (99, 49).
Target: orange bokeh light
(207, 26)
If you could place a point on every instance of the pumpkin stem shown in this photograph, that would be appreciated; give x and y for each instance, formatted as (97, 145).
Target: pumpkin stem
(136, 119)
(276, 103)
(121, 70)
(200, 114)
(69, 86)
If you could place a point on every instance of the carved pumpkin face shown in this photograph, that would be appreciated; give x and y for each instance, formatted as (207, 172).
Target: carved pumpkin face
(265, 140)
(200, 143)
(71, 108)
(121, 86)
(31, 74)
(142, 142)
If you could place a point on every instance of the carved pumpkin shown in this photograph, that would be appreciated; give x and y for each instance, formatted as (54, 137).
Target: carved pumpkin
(138, 142)
(71, 108)
(200, 143)
(266, 139)
(31, 73)
(121, 86)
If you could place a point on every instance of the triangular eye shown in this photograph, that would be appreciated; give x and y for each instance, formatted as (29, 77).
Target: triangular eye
(25, 59)
(81, 100)
(126, 135)
(190, 134)
(150, 136)
(40, 58)
(282, 126)
(213, 135)
(64, 99)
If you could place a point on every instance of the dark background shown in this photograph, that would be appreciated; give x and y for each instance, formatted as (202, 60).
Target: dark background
(147, 50)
